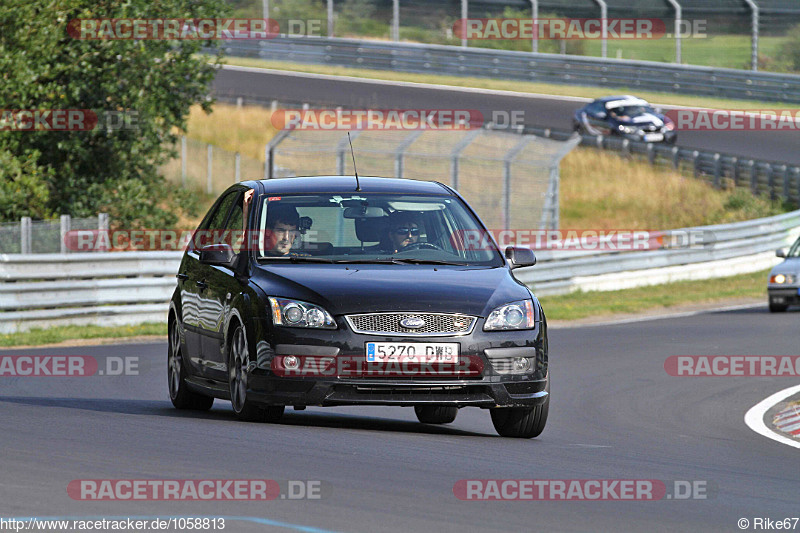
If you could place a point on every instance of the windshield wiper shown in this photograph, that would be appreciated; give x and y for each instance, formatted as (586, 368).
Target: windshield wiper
(296, 259)
(415, 261)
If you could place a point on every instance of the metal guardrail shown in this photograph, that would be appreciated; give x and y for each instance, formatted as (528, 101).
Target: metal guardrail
(132, 287)
(773, 179)
(528, 66)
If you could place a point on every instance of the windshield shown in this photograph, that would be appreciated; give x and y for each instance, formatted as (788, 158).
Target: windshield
(794, 251)
(371, 228)
(631, 110)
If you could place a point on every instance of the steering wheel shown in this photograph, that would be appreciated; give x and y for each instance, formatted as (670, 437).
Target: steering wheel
(421, 246)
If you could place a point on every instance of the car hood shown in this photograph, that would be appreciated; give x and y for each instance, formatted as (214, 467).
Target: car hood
(788, 266)
(346, 289)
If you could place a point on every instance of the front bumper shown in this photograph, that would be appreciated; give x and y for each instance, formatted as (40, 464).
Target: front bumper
(783, 295)
(666, 136)
(490, 386)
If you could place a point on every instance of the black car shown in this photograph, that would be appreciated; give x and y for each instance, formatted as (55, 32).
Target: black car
(625, 116)
(324, 292)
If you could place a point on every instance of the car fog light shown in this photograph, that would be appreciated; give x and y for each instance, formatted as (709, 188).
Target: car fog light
(521, 364)
(291, 362)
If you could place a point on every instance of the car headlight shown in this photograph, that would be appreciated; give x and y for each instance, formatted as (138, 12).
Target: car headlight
(297, 314)
(516, 315)
(627, 129)
(782, 279)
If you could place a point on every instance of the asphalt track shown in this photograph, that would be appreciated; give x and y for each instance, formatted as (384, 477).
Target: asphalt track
(538, 110)
(615, 414)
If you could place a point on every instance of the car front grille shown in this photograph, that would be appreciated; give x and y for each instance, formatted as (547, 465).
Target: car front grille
(436, 324)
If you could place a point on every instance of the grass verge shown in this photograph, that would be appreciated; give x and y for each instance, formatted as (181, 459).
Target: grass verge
(664, 98)
(656, 297)
(37, 337)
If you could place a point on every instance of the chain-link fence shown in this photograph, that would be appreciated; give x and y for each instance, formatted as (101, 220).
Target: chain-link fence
(45, 236)
(510, 179)
(208, 168)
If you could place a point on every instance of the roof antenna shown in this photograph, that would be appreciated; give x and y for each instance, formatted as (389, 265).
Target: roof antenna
(355, 170)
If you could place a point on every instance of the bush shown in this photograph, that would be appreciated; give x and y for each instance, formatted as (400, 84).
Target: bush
(83, 173)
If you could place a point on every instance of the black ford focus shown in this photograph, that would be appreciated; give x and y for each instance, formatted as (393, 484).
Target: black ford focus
(323, 291)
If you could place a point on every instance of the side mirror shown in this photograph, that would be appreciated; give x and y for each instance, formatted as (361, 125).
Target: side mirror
(520, 257)
(780, 252)
(602, 114)
(217, 254)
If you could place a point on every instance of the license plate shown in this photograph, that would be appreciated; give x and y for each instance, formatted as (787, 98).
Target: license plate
(653, 137)
(422, 352)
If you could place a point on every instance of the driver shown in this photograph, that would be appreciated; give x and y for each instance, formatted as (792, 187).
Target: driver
(283, 231)
(404, 230)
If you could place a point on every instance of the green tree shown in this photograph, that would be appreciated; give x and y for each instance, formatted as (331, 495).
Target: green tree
(43, 67)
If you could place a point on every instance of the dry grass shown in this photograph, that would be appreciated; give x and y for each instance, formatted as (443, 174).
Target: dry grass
(602, 190)
(245, 130)
(599, 190)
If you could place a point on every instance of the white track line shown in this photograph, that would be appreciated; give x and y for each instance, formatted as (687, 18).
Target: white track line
(755, 416)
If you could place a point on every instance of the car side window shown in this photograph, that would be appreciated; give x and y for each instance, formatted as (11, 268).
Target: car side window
(234, 226)
(217, 221)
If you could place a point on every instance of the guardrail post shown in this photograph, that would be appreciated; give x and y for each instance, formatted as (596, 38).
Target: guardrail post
(599, 141)
(753, 176)
(183, 160)
(770, 182)
(25, 235)
(209, 163)
(66, 223)
(102, 225)
(735, 175)
(785, 178)
(696, 162)
(717, 171)
(796, 172)
(651, 154)
(675, 157)
(626, 147)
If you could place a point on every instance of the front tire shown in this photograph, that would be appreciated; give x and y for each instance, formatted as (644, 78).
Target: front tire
(238, 363)
(435, 414)
(520, 422)
(179, 393)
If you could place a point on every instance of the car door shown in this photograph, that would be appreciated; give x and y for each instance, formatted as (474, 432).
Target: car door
(222, 287)
(206, 303)
(189, 277)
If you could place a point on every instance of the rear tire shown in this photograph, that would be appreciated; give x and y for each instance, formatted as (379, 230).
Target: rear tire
(777, 308)
(435, 414)
(179, 393)
(238, 363)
